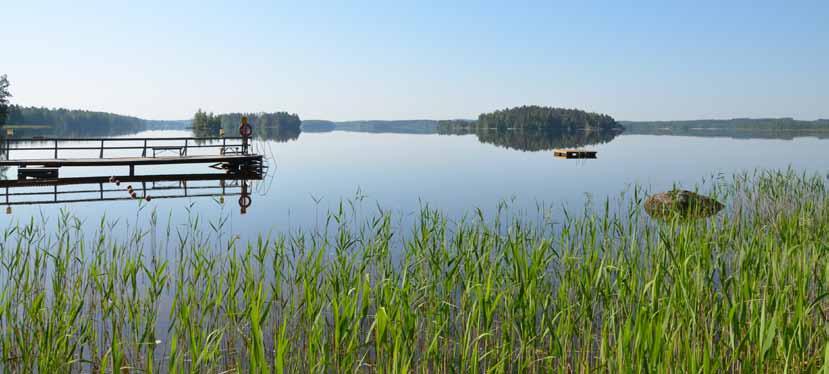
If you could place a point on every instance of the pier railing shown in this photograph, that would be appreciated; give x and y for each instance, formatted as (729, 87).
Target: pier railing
(150, 147)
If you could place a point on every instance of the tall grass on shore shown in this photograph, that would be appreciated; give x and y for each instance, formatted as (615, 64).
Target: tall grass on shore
(607, 290)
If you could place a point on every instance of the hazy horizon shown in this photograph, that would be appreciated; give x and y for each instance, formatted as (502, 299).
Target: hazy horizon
(381, 61)
(437, 119)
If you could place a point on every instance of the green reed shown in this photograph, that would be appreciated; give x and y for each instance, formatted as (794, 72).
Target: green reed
(604, 290)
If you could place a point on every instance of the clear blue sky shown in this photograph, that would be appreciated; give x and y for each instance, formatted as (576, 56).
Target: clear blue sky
(420, 59)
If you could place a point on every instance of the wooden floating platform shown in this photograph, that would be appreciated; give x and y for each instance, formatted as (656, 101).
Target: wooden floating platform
(574, 153)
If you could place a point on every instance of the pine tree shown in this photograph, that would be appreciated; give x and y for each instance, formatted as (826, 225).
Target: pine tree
(4, 98)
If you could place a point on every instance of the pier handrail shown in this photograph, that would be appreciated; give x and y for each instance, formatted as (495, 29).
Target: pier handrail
(146, 143)
(40, 139)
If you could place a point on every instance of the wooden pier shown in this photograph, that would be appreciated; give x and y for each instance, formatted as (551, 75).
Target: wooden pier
(233, 153)
(574, 153)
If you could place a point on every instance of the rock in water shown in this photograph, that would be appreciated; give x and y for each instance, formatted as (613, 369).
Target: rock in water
(682, 203)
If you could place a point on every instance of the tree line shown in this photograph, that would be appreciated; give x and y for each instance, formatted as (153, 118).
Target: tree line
(278, 125)
(70, 122)
(535, 117)
(81, 123)
(776, 124)
(4, 98)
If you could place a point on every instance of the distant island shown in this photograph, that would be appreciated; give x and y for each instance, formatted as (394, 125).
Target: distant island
(536, 128)
(530, 118)
(281, 126)
(538, 118)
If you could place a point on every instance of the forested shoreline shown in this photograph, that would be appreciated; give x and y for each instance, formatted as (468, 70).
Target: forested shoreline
(535, 117)
(770, 124)
(278, 125)
(79, 123)
(536, 128)
(529, 121)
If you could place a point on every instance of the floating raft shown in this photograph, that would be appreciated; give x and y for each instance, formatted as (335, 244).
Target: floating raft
(574, 153)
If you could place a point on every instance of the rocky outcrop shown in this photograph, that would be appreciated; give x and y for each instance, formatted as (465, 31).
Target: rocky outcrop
(681, 203)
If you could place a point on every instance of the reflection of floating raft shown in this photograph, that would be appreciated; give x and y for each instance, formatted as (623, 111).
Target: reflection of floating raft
(574, 153)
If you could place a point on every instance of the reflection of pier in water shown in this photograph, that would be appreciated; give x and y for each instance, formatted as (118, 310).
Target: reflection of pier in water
(149, 187)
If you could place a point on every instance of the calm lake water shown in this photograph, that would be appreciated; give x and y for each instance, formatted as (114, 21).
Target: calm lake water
(455, 173)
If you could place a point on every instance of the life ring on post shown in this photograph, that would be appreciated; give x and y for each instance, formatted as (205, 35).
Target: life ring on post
(244, 203)
(245, 129)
